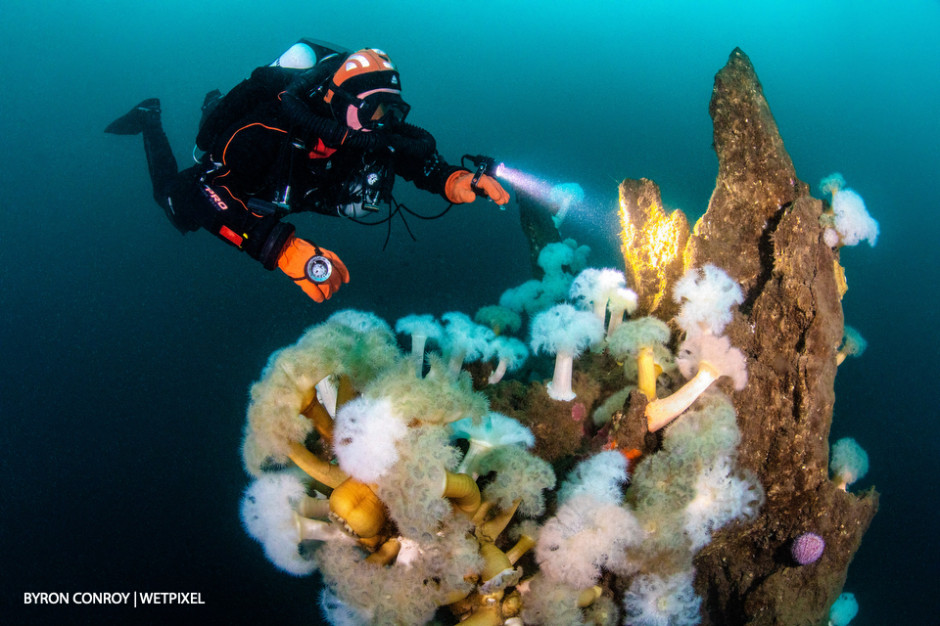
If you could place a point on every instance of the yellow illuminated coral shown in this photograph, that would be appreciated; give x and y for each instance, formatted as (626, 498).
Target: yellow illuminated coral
(652, 242)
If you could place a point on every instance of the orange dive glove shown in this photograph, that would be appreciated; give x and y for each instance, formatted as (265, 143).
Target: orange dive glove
(458, 188)
(317, 271)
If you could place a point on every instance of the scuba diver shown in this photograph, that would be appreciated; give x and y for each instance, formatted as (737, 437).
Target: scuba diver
(321, 129)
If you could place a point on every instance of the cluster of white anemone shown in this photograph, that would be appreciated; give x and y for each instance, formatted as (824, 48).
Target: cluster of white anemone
(398, 442)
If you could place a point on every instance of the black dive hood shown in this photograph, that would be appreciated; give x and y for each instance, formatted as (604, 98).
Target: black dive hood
(298, 102)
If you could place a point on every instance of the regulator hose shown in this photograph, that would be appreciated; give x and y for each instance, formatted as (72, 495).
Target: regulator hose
(332, 132)
(411, 140)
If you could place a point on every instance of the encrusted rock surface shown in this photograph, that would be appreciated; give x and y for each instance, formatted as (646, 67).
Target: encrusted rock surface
(763, 228)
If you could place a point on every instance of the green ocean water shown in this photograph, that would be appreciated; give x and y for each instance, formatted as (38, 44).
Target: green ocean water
(127, 350)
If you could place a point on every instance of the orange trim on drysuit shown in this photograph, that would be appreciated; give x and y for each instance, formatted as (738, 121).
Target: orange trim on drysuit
(227, 143)
(232, 195)
(225, 163)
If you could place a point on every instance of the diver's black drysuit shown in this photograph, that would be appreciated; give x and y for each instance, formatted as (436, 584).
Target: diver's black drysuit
(268, 154)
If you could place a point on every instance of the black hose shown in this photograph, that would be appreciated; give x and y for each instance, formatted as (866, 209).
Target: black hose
(411, 140)
(404, 138)
(333, 133)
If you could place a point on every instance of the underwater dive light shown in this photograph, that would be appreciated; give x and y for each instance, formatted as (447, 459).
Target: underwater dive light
(557, 198)
(485, 166)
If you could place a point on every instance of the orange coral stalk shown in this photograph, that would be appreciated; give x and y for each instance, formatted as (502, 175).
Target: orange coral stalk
(355, 504)
(320, 417)
(315, 467)
(386, 552)
(589, 596)
(646, 372)
(345, 391)
(463, 492)
(522, 546)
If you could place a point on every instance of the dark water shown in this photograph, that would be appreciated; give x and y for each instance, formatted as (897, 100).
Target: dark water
(127, 350)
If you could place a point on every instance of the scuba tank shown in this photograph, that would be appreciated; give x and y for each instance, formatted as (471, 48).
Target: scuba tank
(220, 112)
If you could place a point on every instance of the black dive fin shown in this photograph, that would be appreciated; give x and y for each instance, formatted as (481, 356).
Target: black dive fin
(132, 122)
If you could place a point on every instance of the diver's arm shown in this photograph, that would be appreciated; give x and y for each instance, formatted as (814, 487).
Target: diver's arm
(317, 271)
(417, 160)
(429, 174)
(457, 185)
(230, 218)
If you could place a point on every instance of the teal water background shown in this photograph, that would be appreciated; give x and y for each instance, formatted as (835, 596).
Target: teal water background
(127, 350)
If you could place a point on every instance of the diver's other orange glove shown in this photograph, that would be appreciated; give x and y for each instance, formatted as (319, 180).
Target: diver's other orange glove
(317, 271)
(458, 188)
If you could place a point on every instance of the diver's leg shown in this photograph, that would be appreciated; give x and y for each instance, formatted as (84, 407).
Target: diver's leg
(160, 159)
(182, 203)
(132, 122)
(145, 119)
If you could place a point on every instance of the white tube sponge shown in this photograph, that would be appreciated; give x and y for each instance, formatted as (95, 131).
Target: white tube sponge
(564, 331)
(852, 220)
(657, 601)
(494, 430)
(510, 354)
(848, 462)
(519, 476)
(365, 437)
(593, 287)
(601, 476)
(422, 328)
(706, 297)
(720, 498)
(703, 358)
(267, 512)
(585, 536)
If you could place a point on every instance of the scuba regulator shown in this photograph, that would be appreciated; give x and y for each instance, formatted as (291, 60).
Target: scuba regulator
(485, 166)
(368, 186)
(377, 181)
